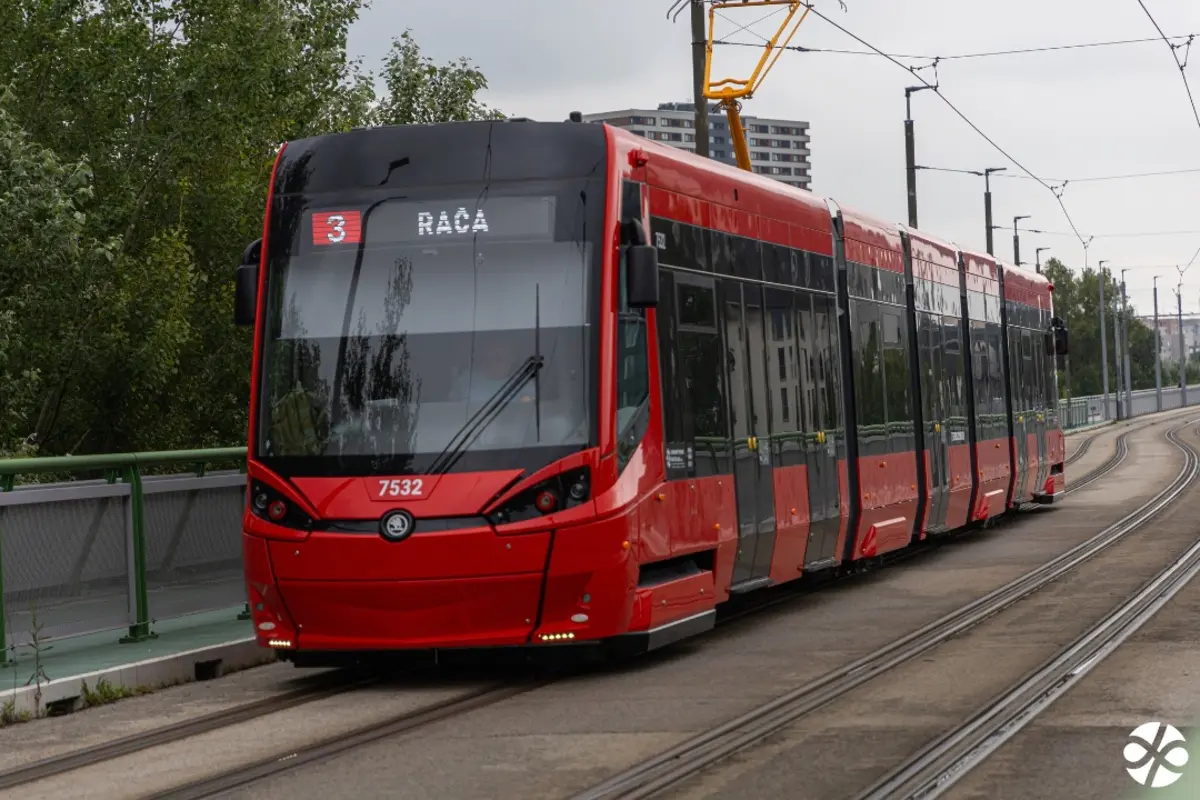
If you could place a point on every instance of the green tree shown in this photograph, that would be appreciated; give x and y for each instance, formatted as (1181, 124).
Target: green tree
(419, 91)
(135, 152)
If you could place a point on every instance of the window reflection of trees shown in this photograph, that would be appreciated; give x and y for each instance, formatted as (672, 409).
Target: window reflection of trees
(298, 408)
(379, 403)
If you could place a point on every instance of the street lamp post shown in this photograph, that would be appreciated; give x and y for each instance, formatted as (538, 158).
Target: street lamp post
(1125, 323)
(1017, 240)
(987, 204)
(1182, 354)
(1037, 255)
(910, 152)
(1103, 340)
(1157, 351)
(1117, 348)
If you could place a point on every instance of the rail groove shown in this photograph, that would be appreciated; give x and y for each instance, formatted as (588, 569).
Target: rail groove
(700, 752)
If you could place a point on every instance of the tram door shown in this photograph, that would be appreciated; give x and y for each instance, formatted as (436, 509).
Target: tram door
(753, 469)
(1046, 389)
(933, 382)
(817, 329)
(1024, 415)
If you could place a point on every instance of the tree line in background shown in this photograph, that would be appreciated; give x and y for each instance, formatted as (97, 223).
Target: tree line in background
(136, 142)
(1077, 300)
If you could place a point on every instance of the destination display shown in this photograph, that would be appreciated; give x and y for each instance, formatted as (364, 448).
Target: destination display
(403, 221)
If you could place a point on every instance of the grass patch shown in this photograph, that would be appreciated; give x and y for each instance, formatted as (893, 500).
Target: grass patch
(104, 693)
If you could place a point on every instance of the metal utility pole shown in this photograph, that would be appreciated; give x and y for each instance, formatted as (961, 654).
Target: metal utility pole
(1182, 354)
(1017, 240)
(1037, 255)
(1125, 323)
(699, 58)
(1118, 361)
(987, 204)
(1103, 341)
(910, 152)
(1157, 351)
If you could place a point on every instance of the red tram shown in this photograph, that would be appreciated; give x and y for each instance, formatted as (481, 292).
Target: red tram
(522, 383)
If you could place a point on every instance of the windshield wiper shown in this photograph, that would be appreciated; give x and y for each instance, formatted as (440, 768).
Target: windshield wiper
(474, 426)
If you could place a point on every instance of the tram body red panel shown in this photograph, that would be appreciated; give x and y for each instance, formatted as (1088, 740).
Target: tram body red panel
(993, 477)
(385, 615)
(927, 476)
(889, 503)
(791, 522)
(703, 514)
(591, 572)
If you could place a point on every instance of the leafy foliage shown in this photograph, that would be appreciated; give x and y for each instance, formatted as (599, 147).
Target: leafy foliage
(136, 141)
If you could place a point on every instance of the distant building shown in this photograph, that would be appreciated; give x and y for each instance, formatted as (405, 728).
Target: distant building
(1168, 325)
(778, 147)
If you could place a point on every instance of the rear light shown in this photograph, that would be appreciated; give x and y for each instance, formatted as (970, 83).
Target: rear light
(546, 501)
(563, 491)
(268, 504)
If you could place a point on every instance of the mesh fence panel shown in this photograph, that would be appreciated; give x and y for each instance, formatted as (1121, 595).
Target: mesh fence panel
(194, 543)
(65, 558)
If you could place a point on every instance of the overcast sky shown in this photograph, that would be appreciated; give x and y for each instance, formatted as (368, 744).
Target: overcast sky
(1070, 114)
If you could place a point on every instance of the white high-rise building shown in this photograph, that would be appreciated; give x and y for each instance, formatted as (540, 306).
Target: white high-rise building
(778, 147)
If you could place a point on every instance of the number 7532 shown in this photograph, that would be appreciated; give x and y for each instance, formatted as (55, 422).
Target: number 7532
(406, 487)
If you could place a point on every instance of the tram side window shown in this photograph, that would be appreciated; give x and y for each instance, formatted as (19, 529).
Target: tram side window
(979, 370)
(633, 371)
(953, 372)
(896, 379)
(1027, 376)
(784, 377)
(679, 244)
(677, 422)
(703, 374)
(999, 426)
(830, 415)
(869, 379)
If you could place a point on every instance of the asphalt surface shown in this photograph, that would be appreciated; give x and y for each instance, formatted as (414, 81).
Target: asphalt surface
(561, 739)
(1074, 749)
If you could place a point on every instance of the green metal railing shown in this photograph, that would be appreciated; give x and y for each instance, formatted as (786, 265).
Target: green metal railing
(129, 468)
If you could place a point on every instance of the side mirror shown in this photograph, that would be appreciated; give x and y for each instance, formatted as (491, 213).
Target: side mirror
(245, 299)
(1062, 342)
(641, 275)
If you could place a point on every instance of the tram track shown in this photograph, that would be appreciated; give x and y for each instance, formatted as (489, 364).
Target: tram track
(398, 725)
(324, 687)
(683, 761)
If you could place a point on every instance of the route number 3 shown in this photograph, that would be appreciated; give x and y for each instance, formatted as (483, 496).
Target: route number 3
(337, 228)
(408, 487)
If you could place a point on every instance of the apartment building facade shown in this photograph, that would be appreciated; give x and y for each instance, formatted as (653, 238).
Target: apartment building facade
(779, 148)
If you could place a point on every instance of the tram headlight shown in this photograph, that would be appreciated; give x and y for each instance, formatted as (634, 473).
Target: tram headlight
(563, 491)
